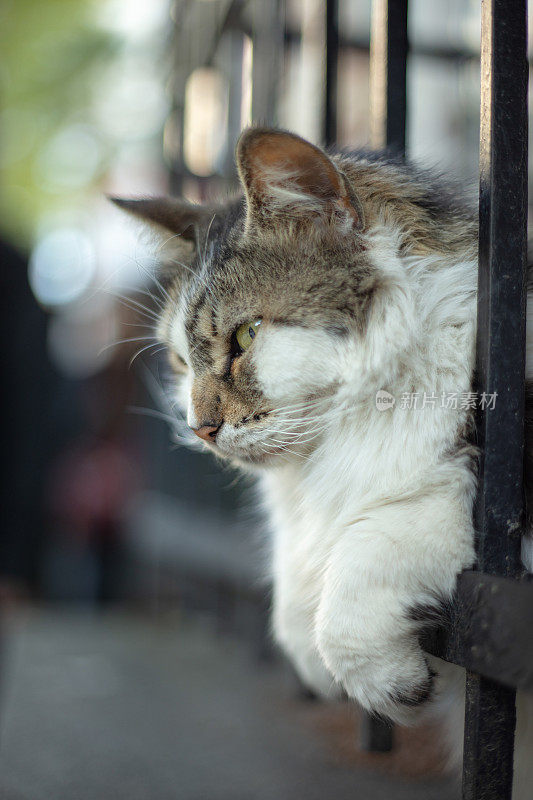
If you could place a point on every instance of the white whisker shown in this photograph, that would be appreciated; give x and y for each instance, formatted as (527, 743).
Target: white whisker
(147, 347)
(126, 341)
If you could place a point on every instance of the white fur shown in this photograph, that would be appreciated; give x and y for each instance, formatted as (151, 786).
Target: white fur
(371, 515)
(375, 521)
(287, 349)
(178, 337)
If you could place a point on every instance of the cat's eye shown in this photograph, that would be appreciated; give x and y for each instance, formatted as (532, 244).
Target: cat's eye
(246, 333)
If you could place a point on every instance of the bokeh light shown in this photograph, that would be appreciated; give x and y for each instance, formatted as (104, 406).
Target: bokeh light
(62, 267)
(205, 120)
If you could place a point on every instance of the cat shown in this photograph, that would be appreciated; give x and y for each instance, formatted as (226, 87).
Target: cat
(322, 332)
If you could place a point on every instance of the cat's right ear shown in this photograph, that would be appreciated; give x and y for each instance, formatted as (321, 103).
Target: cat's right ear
(173, 220)
(287, 178)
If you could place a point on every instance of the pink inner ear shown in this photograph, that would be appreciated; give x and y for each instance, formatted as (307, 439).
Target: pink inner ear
(272, 158)
(280, 158)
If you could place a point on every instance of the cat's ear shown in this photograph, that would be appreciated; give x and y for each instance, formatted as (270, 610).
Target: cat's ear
(170, 216)
(286, 176)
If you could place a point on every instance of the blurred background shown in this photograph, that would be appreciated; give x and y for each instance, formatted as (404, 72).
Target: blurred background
(133, 572)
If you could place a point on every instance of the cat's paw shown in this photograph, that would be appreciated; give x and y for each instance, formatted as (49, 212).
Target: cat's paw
(392, 681)
(398, 691)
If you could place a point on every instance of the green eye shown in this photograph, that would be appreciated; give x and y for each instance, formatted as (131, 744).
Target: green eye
(245, 334)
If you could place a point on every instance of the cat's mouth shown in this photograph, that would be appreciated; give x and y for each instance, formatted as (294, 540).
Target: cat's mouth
(258, 446)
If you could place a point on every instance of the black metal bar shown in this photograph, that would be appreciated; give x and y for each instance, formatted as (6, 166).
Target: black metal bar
(489, 740)
(489, 629)
(331, 76)
(490, 708)
(502, 282)
(376, 735)
(388, 72)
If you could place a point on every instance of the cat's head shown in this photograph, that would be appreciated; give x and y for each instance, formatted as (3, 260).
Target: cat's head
(276, 304)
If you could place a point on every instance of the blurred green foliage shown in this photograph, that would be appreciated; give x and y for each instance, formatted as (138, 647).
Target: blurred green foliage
(52, 53)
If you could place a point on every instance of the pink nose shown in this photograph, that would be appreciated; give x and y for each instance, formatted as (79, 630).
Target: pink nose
(207, 432)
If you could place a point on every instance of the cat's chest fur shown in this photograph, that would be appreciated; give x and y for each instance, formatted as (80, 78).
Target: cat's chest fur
(366, 459)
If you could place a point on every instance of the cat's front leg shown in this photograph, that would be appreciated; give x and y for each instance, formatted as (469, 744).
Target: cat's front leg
(297, 581)
(295, 603)
(398, 559)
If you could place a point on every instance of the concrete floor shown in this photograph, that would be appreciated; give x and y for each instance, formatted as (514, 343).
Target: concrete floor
(118, 706)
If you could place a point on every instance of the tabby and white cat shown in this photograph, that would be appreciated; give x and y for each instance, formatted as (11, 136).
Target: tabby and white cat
(322, 329)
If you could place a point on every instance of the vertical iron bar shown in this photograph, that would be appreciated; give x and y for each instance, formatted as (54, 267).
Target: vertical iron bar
(388, 73)
(376, 735)
(501, 283)
(490, 708)
(331, 77)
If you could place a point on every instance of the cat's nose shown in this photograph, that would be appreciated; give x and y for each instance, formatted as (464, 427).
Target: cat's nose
(207, 432)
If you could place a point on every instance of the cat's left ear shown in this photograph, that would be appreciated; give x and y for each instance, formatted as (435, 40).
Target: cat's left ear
(286, 176)
(170, 217)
